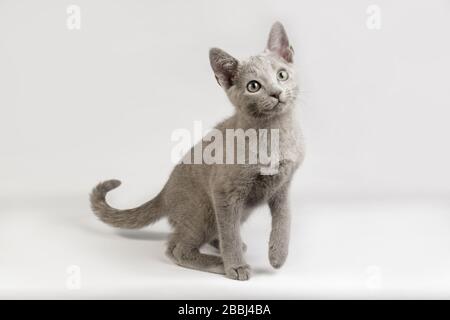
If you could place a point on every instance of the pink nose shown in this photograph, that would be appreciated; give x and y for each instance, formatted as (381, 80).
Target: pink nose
(276, 95)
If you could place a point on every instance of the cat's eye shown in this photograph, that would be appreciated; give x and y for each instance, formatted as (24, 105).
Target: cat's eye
(282, 75)
(253, 86)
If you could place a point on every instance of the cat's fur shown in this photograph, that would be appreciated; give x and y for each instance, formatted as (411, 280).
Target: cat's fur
(207, 203)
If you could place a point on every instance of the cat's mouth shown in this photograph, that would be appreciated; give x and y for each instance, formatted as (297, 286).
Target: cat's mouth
(277, 106)
(267, 111)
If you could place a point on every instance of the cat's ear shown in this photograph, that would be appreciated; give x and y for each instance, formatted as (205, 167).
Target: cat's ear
(224, 66)
(279, 43)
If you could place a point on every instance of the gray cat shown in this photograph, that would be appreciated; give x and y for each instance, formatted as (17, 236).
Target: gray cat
(206, 203)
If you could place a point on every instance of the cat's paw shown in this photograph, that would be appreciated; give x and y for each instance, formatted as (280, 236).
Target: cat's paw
(241, 273)
(277, 255)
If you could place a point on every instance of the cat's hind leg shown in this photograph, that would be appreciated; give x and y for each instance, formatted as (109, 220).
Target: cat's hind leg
(188, 255)
(216, 244)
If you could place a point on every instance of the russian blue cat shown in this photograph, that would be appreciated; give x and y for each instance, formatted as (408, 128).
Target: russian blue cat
(207, 203)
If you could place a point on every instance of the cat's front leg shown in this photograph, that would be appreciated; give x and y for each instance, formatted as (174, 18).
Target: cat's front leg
(281, 220)
(228, 214)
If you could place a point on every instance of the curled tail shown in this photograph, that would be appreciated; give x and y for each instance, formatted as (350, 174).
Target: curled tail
(135, 218)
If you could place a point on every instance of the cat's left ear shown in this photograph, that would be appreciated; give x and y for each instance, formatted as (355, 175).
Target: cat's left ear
(279, 43)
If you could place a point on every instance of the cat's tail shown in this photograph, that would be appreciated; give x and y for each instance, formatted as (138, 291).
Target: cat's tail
(135, 218)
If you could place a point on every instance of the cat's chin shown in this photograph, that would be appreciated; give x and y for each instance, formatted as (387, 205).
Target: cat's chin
(277, 110)
(267, 116)
(256, 112)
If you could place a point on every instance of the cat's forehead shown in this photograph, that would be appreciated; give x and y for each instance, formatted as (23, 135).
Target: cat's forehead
(260, 65)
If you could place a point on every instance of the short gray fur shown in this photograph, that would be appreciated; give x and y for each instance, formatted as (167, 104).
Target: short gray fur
(207, 203)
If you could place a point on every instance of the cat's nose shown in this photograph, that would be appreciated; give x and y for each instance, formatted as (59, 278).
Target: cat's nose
(276, 94)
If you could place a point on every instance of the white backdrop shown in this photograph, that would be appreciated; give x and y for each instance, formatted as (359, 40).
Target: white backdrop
(80, 106)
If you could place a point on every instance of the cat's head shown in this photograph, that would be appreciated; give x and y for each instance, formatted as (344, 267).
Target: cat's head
(263, 85)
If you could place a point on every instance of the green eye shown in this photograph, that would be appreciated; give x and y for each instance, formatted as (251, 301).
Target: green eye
(253, 86)
(282, 75)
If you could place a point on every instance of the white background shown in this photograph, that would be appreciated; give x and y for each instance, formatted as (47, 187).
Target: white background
(371, 204)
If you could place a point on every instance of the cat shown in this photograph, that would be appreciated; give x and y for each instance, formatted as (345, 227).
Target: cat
(206, 203)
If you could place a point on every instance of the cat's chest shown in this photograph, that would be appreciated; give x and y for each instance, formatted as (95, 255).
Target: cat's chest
(266, 185)
(291, 145)
(287, 153)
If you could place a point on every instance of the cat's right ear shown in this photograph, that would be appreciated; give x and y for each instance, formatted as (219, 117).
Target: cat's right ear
(279, 43)
(224, 67)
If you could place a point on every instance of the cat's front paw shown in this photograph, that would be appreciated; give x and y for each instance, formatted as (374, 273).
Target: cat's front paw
(241, 273)
(277, 255)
